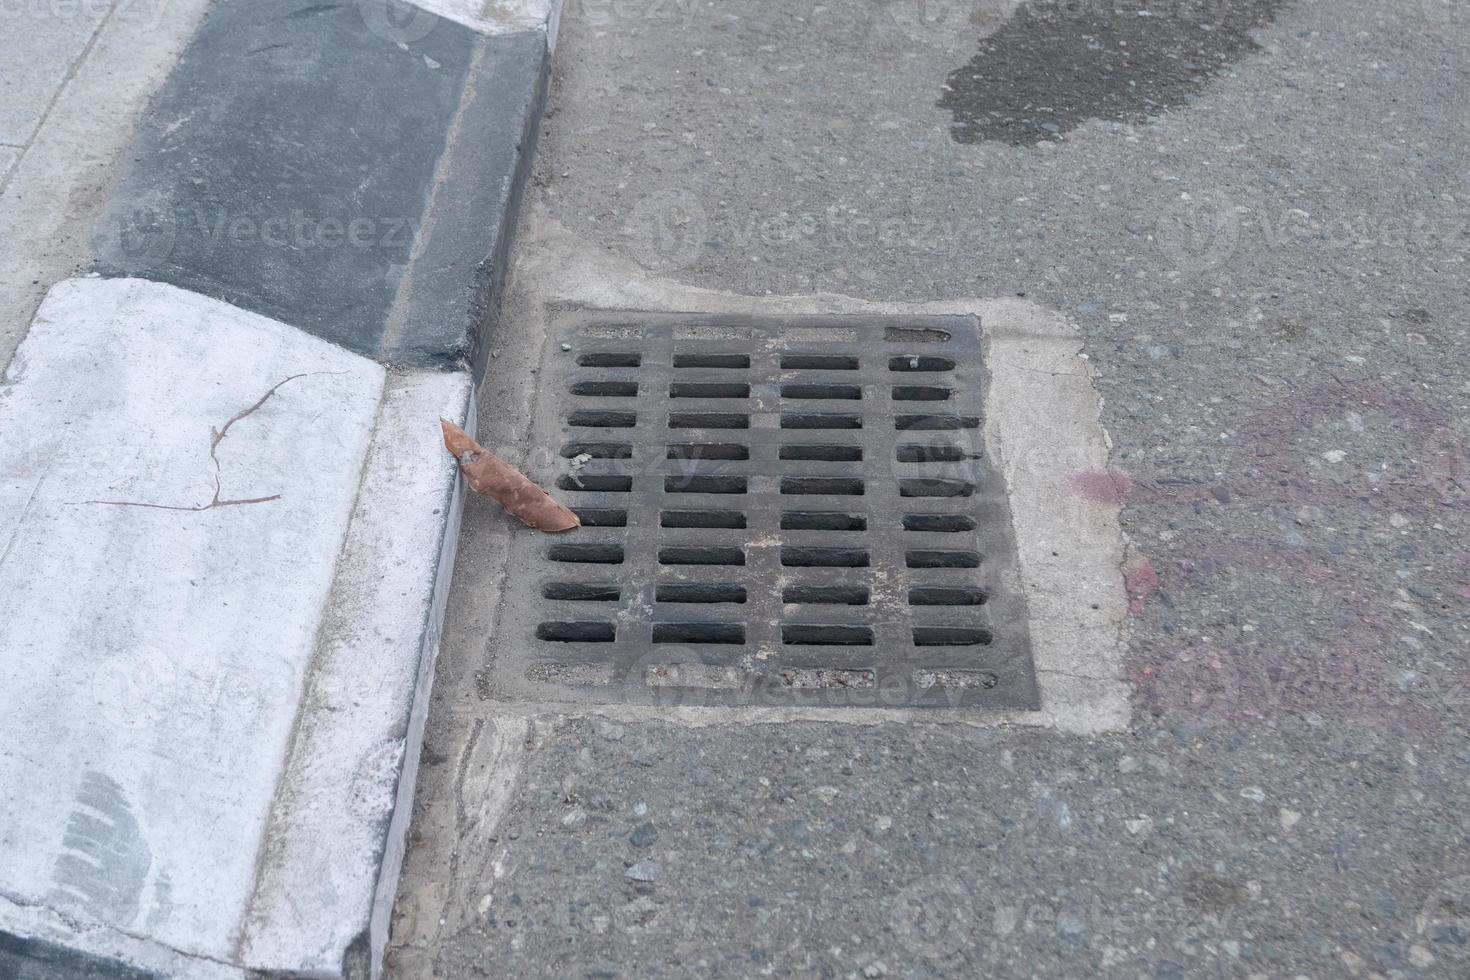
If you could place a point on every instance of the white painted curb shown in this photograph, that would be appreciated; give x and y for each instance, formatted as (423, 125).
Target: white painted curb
(224, 546)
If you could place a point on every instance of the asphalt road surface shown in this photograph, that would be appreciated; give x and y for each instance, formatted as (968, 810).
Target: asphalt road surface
(1256, 214)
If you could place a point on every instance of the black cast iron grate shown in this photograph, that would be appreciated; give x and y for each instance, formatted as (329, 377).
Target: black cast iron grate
(793, 511)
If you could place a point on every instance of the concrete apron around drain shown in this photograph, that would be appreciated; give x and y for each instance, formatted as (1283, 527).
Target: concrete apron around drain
(1041, 430)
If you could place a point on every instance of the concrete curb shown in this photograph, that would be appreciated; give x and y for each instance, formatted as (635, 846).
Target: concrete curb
(386, 127)
(227, 522)
(228, 555)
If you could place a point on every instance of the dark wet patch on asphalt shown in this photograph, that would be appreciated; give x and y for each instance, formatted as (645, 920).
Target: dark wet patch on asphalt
(1057, 63)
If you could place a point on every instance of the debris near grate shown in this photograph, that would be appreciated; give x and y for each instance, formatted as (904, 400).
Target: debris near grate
(492, 476)
(776, 512)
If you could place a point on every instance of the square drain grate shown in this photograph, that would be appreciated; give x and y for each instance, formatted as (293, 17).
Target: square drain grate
(793, 511)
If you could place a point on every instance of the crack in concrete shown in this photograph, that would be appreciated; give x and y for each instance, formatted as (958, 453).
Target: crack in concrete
(216, 436)
(20, 520)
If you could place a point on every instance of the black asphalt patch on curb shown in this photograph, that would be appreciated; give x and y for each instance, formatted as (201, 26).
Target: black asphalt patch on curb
(33, 959)
(1057, 63)
(349, 178)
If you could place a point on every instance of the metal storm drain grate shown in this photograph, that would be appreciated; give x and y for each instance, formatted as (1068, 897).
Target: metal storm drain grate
(776, 512)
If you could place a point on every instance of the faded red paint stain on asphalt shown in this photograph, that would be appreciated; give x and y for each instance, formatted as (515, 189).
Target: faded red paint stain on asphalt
(1102, 486)
(1138, 581)
(1464, 591)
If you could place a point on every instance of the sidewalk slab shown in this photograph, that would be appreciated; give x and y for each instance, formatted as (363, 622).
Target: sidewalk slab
(56, 191)
(319, 164)
(42, 40)
(222, 549)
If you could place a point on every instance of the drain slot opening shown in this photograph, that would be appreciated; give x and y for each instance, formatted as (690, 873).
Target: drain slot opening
(595, 419)
(935, 488)
(702, 518)
(606, 389)
(821, 520)
(826, 636)
(921, 393)
(919, 362)
(610, 359)
(698, 633)
(601, 516)
(934, 423)
(939, 453)
(926, 595)
(819, 362)
(826, 595)
(595, 554)
(708, 420)
(708, 450)
(708, 389)
(595, 484)
(938, 522)
(827, 678)
(598, 450)
(831, 486)
(793, 557)
(701, 556)
(956, 679)
(820, 420)
(950, 636)
(700, 592)
(823, 454)
(582, 591)
(942, 559)
(577, 632)
(704, 484)
(711, 360)
(920, 335)
(810, 391)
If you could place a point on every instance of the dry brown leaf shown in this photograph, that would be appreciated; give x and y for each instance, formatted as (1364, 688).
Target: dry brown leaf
(494, 477)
